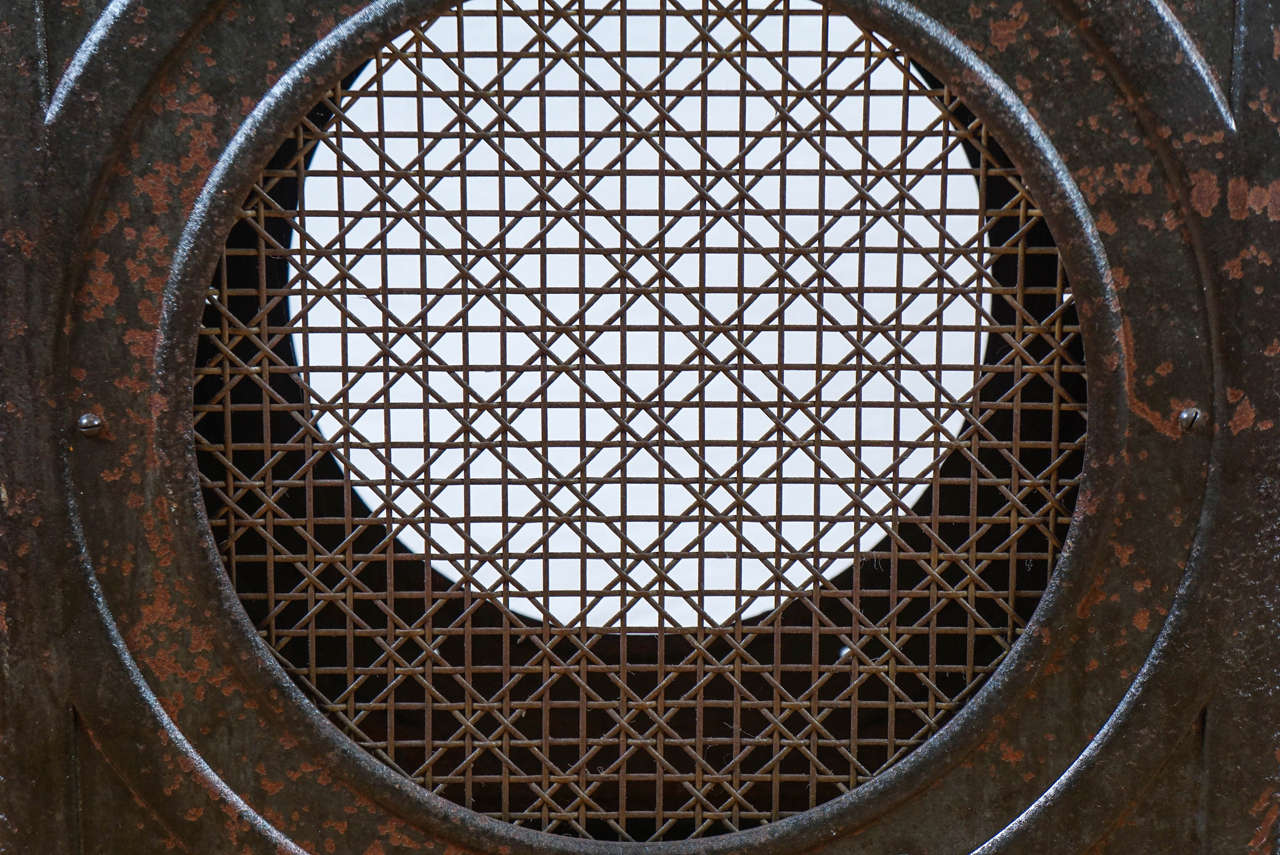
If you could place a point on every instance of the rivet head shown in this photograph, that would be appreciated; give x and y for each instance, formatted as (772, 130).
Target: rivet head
(1190, 419)
(90, 424)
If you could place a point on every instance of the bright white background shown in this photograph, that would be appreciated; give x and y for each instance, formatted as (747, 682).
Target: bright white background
(409, 239)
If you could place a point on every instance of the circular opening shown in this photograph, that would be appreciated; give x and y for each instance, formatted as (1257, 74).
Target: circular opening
(626, 356)
(638, 421)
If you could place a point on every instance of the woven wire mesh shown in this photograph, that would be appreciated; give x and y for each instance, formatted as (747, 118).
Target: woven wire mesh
(640, 421)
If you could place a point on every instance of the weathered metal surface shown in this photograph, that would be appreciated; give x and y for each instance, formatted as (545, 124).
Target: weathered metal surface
(1153, 170)
(739, 412)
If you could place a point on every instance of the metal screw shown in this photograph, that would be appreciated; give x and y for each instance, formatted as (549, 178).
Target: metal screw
(1189, 418)
(90, 424)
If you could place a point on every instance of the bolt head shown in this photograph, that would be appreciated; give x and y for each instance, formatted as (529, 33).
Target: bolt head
(90, 424)
(1190, 418)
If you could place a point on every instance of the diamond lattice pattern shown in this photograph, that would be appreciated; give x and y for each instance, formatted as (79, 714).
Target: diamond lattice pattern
(637, 420)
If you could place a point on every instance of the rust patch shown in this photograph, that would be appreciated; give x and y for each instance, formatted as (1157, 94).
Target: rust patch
(1243, 417)
(100, 291)
(1095, 595)
(158, 186)
(140, 342)
(1142, 620)
(20, 240)
(1005, 33)
(1167, 425)
(1235, 267)
(1134, 181)
(1009, 754)
(1204, 192)
(1257, 199)
(1258, 843)
(1238, 198)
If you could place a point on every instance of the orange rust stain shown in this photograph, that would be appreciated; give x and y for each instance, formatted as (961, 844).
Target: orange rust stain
(201, 640)
(134, 385)
(1204, 192)
(392, 831)
(1091, 599)
(140, 342)
(1106, 225)
(1142, 620)
(148, 310)
(1204, 138)
(155, 241)
(201, 145)
(1137, 182)
(21, 240)
(1243, 417)
(205, 105)
(1264, 799)
(1164, 368)
(1009, 754)
(154, 525)
(158, 186)
(1124, 553)
(1258, 842)
(137, 270)
(1258, 197)
(1238, 198)
(1167, 425)
(1005, 33)
(1235, 267)
(100, 292)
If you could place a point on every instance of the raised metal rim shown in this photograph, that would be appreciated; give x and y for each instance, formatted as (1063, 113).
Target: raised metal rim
(1066, 212)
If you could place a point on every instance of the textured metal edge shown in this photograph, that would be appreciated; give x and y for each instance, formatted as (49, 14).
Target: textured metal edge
(703, 846)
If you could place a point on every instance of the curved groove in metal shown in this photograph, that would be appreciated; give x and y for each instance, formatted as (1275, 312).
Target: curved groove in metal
(925, 38)
(1198, 63)
(1160, 692)
(196, 807)
(113, 34)
(1166, 94)
(1158, 699)
(84, 55)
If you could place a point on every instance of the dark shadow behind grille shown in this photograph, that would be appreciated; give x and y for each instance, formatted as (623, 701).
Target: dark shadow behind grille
(663, 735)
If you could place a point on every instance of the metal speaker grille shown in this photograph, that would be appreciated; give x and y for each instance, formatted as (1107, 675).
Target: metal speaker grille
(639, 421)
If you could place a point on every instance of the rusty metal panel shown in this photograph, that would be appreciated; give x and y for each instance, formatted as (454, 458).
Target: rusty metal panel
(290, 620)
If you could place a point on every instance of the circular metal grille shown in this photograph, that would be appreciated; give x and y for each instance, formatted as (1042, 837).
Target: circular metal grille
(639, 421)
